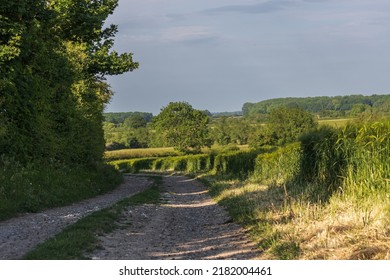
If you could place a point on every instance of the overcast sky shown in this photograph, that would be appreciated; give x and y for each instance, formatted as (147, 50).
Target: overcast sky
(219, 54)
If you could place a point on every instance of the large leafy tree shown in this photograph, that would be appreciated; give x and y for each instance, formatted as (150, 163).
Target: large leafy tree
(287, 124)
(54, 56)
(182, 127)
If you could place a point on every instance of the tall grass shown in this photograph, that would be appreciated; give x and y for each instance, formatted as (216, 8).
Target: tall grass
(278, 167)
(367, 149)
(42, 185)
(327, 197)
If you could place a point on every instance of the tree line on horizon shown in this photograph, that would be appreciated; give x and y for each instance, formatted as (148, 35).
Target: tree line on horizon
(322, 106)
(286, 118)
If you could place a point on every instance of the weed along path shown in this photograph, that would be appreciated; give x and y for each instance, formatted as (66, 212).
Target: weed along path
(21, 234)
(186, 225)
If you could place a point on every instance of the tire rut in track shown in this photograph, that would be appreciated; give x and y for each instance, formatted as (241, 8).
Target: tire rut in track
(187, 225)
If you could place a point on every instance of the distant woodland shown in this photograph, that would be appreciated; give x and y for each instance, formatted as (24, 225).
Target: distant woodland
(136, 129)
(323, 106)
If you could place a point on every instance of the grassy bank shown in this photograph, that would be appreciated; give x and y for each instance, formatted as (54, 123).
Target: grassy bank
(327, 197)
(38, 185)
(82, 237)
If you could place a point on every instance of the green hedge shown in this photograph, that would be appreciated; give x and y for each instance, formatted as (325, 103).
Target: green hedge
(133, 165)
(354, 160)
(278, 167)
(189, 163)
(236, 164)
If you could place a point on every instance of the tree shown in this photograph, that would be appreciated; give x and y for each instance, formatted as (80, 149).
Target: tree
(182, 127)
(231, 130)
(135, 121)
(54, 56)
(286, 125)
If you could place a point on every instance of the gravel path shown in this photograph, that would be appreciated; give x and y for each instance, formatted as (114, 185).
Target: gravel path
(21, 234)
(187, 225)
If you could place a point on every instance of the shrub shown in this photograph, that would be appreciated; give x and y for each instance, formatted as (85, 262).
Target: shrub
(323, 159)
(188, 163)
(236, 164)
(40, 185)
(133, 165)
(278, 167)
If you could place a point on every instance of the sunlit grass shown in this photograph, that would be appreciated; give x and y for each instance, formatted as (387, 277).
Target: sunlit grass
(336, 122)
(287, 228)
(164, 152)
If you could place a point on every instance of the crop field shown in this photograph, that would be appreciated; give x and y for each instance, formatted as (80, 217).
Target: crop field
(164, 152)
(139, 153)
(336, 122)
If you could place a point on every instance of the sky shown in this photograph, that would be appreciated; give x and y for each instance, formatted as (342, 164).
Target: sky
(219, 54)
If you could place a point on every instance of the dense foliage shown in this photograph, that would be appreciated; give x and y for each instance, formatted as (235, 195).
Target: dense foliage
(118, 118)
(126, 130)
(53, 59)
(54, 56)
(323, 106)
(182, 127)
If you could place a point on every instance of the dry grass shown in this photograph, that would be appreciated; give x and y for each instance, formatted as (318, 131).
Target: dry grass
(287, 228)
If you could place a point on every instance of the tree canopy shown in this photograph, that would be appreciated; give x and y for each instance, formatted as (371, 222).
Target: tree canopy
(284, 125)
(182, 127)
(54, 56)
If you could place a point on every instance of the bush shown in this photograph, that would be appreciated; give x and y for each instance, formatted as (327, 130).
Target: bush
(323, 159)
(278, 167)
(115, 146)
(41, 185)
(236, 164)
(133, 165)
(189, 163)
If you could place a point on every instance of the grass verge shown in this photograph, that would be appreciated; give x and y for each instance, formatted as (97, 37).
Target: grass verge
(39, 186)
(286, 227)
(82, 236)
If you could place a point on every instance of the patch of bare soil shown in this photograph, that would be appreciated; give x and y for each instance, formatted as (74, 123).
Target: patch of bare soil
(21, 234)
(187, 225)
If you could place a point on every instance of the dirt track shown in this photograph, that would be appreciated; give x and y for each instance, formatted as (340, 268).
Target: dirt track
(187, 225)
(21, 234)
